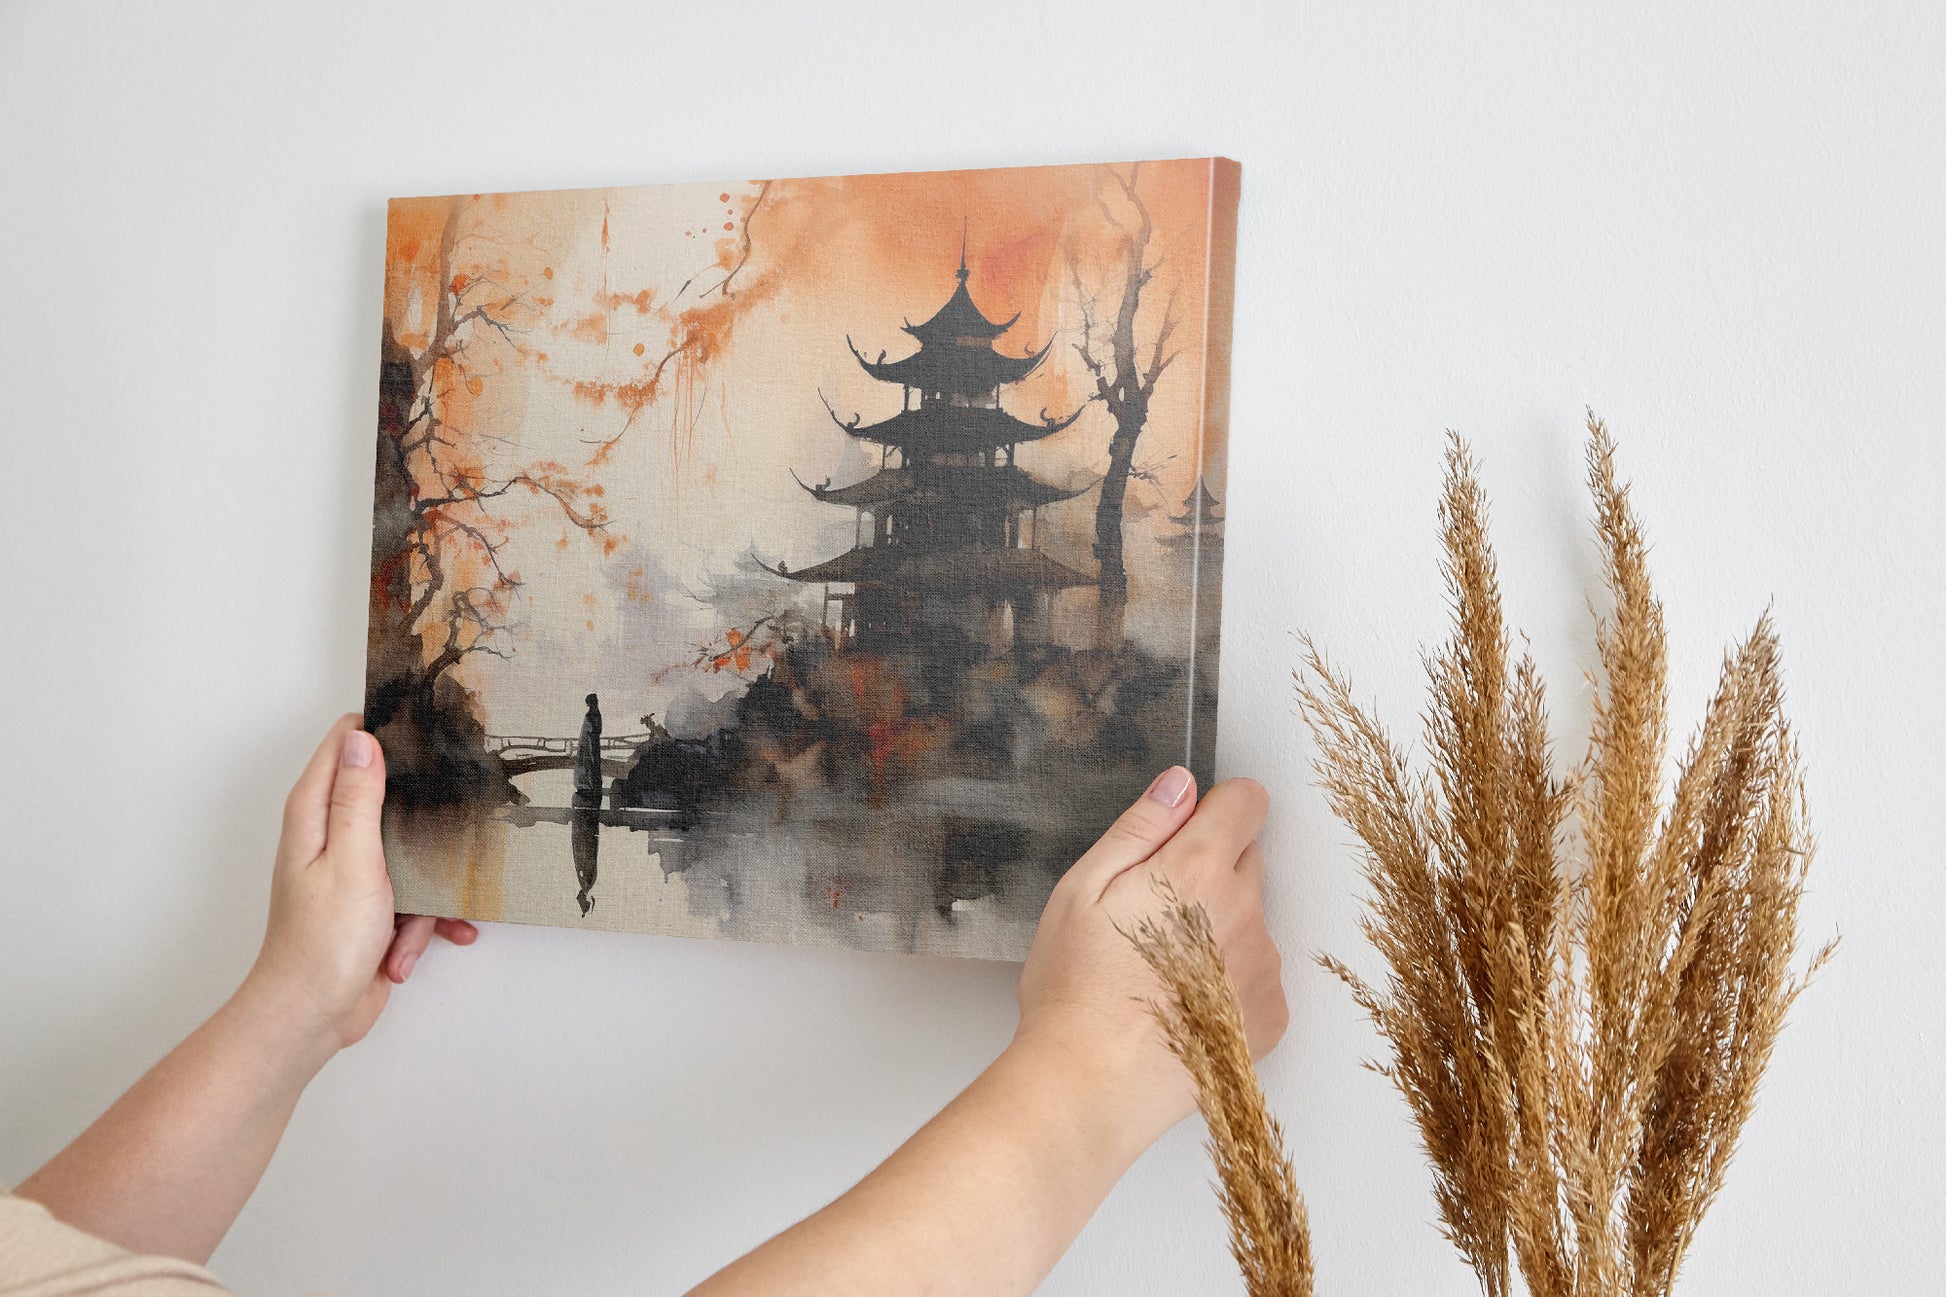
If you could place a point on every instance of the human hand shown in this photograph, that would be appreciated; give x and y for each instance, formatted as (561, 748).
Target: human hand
(986, 1197)
(1084, 993)
(333, 949)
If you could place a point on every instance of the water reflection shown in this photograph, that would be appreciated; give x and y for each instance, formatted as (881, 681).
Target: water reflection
(585, 841)
(585, 829)
(931, 875)
(950, 866)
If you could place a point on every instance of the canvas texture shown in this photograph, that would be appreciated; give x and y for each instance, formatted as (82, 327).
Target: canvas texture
(823, 561)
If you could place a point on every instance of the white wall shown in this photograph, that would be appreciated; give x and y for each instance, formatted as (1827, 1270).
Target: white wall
(1719, 224)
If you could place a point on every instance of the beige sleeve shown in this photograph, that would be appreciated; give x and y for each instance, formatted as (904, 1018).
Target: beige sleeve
(41, 1257)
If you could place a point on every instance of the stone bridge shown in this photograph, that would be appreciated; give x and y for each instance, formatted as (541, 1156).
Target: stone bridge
(523, 754)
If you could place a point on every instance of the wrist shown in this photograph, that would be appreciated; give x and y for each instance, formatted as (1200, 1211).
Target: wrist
(284, 1024)
(1122, 1098)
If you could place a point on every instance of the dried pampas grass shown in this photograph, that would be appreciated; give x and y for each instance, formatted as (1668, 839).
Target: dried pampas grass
(1586, 975)
(1270, 1236)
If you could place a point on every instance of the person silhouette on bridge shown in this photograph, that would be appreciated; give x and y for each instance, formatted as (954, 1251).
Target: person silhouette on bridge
(587, 755)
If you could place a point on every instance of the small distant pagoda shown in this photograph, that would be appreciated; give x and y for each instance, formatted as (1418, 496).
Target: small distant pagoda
(1199, 522)
(946, 560)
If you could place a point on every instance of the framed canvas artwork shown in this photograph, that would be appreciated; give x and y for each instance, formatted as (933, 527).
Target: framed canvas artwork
(823, 561)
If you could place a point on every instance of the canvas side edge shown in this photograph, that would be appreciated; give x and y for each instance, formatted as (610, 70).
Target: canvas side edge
(1219, 303)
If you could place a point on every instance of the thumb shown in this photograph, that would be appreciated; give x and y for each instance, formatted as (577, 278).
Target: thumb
(357, 794)
(1138, 832)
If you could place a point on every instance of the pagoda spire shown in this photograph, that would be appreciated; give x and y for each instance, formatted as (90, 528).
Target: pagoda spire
(956, 347)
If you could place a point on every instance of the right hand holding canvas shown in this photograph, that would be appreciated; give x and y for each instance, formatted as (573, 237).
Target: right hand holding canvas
(1084, 993)
(988, 1195)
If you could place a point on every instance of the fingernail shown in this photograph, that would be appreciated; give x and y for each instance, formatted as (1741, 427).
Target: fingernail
(1170, 785)
(405, 966)
(358, 748)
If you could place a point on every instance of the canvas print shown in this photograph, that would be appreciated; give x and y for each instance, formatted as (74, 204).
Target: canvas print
(823, 561)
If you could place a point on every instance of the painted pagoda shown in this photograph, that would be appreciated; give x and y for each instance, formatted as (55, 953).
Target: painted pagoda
(1199, 522)
(945, 560)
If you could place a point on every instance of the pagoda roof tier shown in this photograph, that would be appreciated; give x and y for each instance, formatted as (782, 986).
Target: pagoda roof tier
(968, 486)
(1199, 507)
(951, 366)
(966, 568)
(959, 319)
(947, 429)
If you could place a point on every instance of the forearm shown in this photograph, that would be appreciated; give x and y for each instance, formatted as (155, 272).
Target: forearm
(982, 1200)
(168, 1167)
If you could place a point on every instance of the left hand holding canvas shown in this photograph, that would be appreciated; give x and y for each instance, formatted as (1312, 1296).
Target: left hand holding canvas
(169, 1166)
(333, 949)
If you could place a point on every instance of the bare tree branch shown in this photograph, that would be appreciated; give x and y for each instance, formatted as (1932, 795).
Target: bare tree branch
(750, 216)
